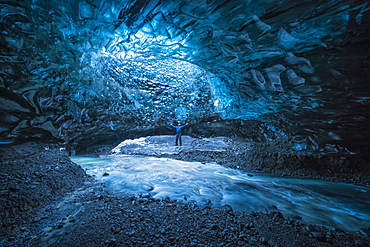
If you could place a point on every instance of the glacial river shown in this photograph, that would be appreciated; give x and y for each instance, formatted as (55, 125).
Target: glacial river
(339, 205)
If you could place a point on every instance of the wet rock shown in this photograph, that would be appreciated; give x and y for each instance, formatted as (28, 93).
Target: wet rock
(111, 242)
(227, 208)
(214, 227)
(277, 215)
(249, 226)
(147, 196)
(263, 240)
(320, 236)
(115, 213)
(310, 228)
(23, 229)
(365, 231)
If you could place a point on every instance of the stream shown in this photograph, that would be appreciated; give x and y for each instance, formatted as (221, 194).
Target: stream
(338, 205)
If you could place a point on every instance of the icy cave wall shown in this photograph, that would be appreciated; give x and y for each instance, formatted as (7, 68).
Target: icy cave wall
(84, 71)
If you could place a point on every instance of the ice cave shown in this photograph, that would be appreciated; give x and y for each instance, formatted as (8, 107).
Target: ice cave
(278, 87)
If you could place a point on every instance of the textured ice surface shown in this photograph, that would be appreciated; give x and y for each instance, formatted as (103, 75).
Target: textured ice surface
(72, 70)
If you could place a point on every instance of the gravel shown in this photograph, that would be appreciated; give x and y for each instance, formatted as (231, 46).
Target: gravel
(47, 200)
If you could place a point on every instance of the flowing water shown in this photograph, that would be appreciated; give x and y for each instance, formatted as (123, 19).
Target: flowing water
(339, 205)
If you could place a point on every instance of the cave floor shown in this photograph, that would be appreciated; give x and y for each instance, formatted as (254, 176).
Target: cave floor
(275, 158)
(47, 200)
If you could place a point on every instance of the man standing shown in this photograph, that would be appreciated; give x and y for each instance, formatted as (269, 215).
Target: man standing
(178, 132)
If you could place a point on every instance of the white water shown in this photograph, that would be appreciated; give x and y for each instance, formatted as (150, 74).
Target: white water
(339, 205)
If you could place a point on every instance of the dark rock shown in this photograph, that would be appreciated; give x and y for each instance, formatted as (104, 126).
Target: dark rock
(263, 241)
(320, 236)
(214, 227)
(365, 231)
(311, 228)
(227, 208)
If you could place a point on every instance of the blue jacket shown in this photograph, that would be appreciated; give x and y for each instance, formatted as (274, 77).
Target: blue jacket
(178, 128)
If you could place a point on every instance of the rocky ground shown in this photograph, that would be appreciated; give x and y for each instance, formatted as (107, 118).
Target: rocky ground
(47, 200)
(278, 159)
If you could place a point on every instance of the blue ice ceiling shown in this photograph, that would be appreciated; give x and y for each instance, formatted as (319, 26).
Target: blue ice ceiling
(74, 70)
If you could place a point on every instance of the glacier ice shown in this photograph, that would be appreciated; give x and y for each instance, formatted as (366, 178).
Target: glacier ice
(89, 69)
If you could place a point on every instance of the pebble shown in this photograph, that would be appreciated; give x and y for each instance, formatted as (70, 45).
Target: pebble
(320, 236)
(131, 233)
(214, 227)
(146, 196)
(115, 213)
(263, 240)
(23, 229)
